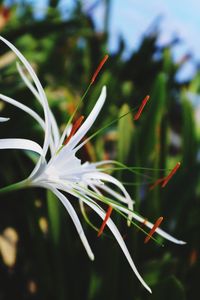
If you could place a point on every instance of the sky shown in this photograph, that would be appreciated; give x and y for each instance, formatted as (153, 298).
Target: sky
(131, 19)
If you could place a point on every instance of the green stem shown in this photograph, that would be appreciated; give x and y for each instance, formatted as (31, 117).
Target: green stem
(15, 186)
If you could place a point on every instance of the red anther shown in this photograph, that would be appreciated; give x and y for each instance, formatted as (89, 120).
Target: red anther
(99, 68)
(168, 177)
(75, 127)
(158, 181)
(153, 229)
(107, 216)
(144, 102)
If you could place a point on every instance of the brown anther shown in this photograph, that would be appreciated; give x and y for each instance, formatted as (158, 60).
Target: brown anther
(168, 177)
(75, 127)
(107, 216)
(144, 102)
(158, 181)
(153, 229)
(99, 68)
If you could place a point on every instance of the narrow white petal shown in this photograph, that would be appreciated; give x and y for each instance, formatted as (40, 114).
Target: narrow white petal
(22, 144)
(95, 189)
(75, 220)
(111, 179)
(104, 162)
(55, 130)
(29, 111)
(4, 119)
(89, 121)
(150, 225)
(158, 230)
(114, 194)
(23, 107)
(120, 198)
(28, 83)
(119, 239)
(40, 91)
(65, 133)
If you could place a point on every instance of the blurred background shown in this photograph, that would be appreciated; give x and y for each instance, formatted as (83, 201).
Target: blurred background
(154, 49)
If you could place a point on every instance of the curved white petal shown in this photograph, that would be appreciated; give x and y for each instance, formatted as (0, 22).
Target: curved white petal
(150, 225)
(40, 91)
(25, 108)
(65, 133)
(104, 162)
(22, 144)
(75, 220)
(55, 130)
(119, 239)
(89, 121)
(29, 111)
(111, 179)
(158, 230)
(4, 119)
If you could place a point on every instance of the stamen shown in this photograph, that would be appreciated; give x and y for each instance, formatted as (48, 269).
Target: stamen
(168, 177)
(99, 69)
(75, 127)
(158, 181)
(144, 102)
(153, 229)
(107, 216)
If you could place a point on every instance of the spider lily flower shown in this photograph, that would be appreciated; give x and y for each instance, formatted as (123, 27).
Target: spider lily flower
(65, 173)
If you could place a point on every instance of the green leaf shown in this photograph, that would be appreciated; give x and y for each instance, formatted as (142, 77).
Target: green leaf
(149, 141)
(125, 133)
(189, 136)
(54, 216)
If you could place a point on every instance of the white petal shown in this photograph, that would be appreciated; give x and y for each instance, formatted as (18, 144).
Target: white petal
(89, 121)
(111, 179)
(104, 162)
(113, 193)
(29, 111)
(22, 144)
(76, 221)
(25, 108)
(150, 225)
(65, 133)
(54, 125)
(158, 230)
(40, 91)
(119, 239)
(4, 119)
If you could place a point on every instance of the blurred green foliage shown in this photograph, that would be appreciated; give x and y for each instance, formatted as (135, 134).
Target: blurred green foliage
(50, 262)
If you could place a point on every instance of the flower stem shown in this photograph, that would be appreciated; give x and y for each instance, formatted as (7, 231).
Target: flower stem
(15, 186)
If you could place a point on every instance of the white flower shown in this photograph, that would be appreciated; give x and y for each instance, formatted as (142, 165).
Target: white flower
(64, 172)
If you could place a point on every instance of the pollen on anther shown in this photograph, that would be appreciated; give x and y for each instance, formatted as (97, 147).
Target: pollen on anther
(139, 112)
(99, 68)
(75, 127)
